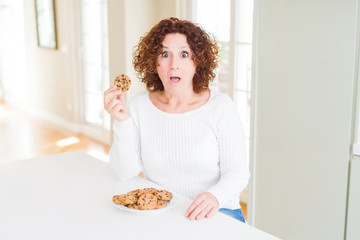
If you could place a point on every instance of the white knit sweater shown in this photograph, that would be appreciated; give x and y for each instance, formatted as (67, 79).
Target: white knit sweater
(202, 150)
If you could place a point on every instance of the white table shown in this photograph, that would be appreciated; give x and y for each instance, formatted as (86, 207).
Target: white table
(68, 196)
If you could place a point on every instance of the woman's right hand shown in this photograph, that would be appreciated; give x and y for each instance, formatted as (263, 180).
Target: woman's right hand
(114, 103)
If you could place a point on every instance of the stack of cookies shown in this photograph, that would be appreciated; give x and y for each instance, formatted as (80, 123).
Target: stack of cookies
(144, 199)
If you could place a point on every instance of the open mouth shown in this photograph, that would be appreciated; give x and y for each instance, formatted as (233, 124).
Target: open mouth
(174, 79)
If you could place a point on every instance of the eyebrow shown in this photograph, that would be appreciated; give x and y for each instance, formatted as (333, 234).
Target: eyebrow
(179, 48)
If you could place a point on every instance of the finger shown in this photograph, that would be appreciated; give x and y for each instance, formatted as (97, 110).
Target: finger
(192, 206)
(117, 108)
(111, 104)
(197, 210)
(212, 212)
(111, 95)
(120, 96)
(112, 88)
(107, 99)
(107, 92)
(117, 112)
(203, 213)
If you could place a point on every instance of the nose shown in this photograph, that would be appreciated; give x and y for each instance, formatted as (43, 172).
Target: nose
(174, 63)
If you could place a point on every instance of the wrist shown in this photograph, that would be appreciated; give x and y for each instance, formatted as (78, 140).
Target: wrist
(122, 118)
(214, 198)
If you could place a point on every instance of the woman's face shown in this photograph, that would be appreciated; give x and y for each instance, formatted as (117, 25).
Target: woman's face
(174, 65)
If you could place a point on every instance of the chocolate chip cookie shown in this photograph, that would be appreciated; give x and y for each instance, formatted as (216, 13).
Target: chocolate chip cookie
(122, 82)
(160, 204)
(147, 201)
(124, 199)
(163, 195)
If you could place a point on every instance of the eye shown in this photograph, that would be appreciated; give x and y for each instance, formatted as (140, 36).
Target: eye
(184, 54)
(165, 54)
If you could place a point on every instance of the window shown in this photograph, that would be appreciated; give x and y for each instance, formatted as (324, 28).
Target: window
(232, 27)
(205, 11)
(13, 79)
(95, 66)
(243, 60)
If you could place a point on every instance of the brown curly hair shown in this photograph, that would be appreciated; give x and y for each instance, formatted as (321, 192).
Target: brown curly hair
(204, 48)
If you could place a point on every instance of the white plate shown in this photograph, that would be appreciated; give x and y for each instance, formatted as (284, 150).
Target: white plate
(170, 204)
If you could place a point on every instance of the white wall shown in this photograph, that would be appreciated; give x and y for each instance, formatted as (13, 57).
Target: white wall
(353, 217)
(126, 24)
(50, 79)
(303, 106)
(129, 20)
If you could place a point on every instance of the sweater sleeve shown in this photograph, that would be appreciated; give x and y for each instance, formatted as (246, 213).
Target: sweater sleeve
(125, 150)
(233, 164)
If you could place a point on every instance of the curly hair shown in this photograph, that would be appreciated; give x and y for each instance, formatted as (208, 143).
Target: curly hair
(204, 48)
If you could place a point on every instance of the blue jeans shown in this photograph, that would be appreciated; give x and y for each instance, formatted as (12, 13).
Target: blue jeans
(235, 213)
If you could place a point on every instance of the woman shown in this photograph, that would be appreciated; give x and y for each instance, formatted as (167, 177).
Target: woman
(182, 135)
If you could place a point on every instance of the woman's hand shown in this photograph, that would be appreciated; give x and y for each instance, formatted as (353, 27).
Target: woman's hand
(205, 205)
(114, 103)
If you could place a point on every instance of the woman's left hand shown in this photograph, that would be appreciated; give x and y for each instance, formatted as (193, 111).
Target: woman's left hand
(205, 205)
